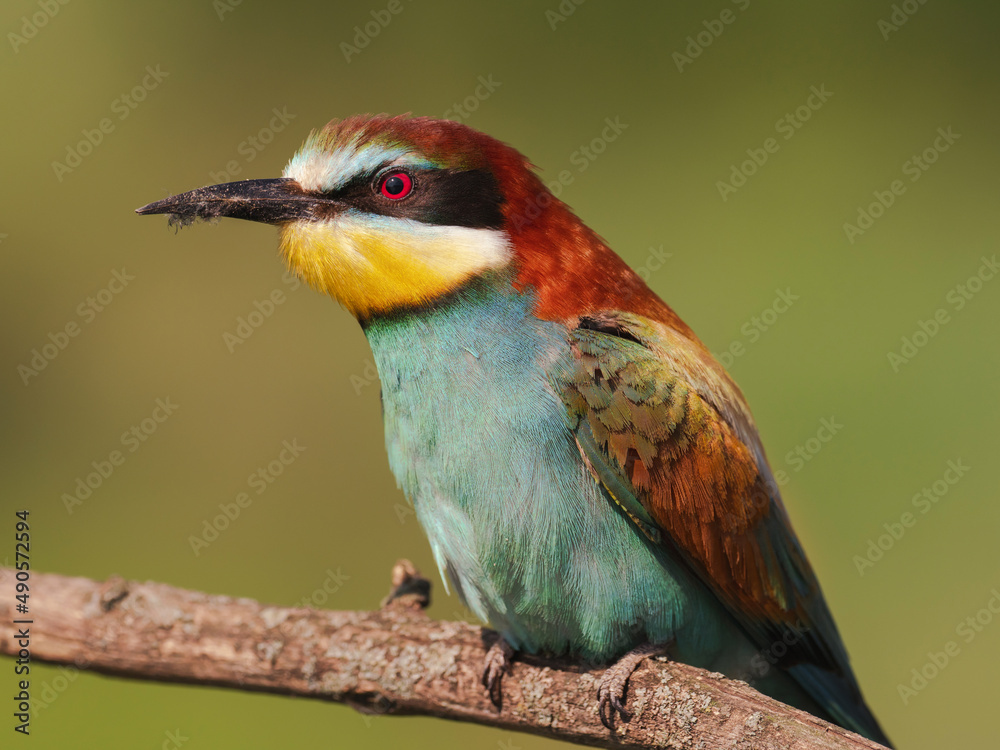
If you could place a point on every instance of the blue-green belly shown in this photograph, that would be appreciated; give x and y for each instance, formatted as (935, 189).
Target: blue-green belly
(479, 441)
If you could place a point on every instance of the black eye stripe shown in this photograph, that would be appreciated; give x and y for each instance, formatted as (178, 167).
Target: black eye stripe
(446, 197)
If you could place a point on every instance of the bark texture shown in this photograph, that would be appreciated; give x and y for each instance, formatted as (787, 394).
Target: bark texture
(394, 660)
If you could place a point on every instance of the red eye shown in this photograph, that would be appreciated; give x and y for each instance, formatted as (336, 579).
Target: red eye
(397, 185)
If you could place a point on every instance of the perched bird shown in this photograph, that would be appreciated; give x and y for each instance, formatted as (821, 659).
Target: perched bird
(590, 479)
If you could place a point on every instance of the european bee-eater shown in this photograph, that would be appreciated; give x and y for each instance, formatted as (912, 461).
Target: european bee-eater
(589, 477)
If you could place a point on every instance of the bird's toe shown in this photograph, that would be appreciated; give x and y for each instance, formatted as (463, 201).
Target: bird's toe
(610, 700)
(495, 666)
(611, 693)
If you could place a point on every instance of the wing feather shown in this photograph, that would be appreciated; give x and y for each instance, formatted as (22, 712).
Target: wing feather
(668, 436)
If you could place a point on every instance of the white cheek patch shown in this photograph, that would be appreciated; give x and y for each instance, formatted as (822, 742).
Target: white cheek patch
(412, 250)
(464, 249)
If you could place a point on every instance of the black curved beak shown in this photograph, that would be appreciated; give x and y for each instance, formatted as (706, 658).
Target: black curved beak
(275, 201)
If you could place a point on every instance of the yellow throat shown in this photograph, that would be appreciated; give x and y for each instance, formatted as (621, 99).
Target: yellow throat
(374, 265)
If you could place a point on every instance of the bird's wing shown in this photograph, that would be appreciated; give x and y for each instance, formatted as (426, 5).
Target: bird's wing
(668, 437)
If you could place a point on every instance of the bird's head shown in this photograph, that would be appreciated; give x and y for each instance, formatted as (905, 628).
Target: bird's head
(393, 213)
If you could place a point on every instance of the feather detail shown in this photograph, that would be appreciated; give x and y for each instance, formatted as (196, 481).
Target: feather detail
(670, 459)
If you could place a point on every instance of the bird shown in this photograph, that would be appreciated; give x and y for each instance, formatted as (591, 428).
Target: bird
(590, 479)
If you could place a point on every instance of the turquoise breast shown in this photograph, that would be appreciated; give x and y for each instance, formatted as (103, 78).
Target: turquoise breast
(478, 440)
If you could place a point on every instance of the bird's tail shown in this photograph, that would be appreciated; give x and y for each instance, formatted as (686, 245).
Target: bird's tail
(841, 699)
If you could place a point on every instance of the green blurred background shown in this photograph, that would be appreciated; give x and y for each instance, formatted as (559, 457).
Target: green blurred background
(332, 517)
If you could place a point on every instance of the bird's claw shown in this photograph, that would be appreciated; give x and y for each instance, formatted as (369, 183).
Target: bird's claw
(610, 696)
(495, 666)
(611, 693)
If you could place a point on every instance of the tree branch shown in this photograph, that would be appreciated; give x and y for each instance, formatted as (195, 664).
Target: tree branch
(394, 660)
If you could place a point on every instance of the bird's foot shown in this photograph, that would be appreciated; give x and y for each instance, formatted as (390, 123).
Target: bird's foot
(495, 666)
(611, 694)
